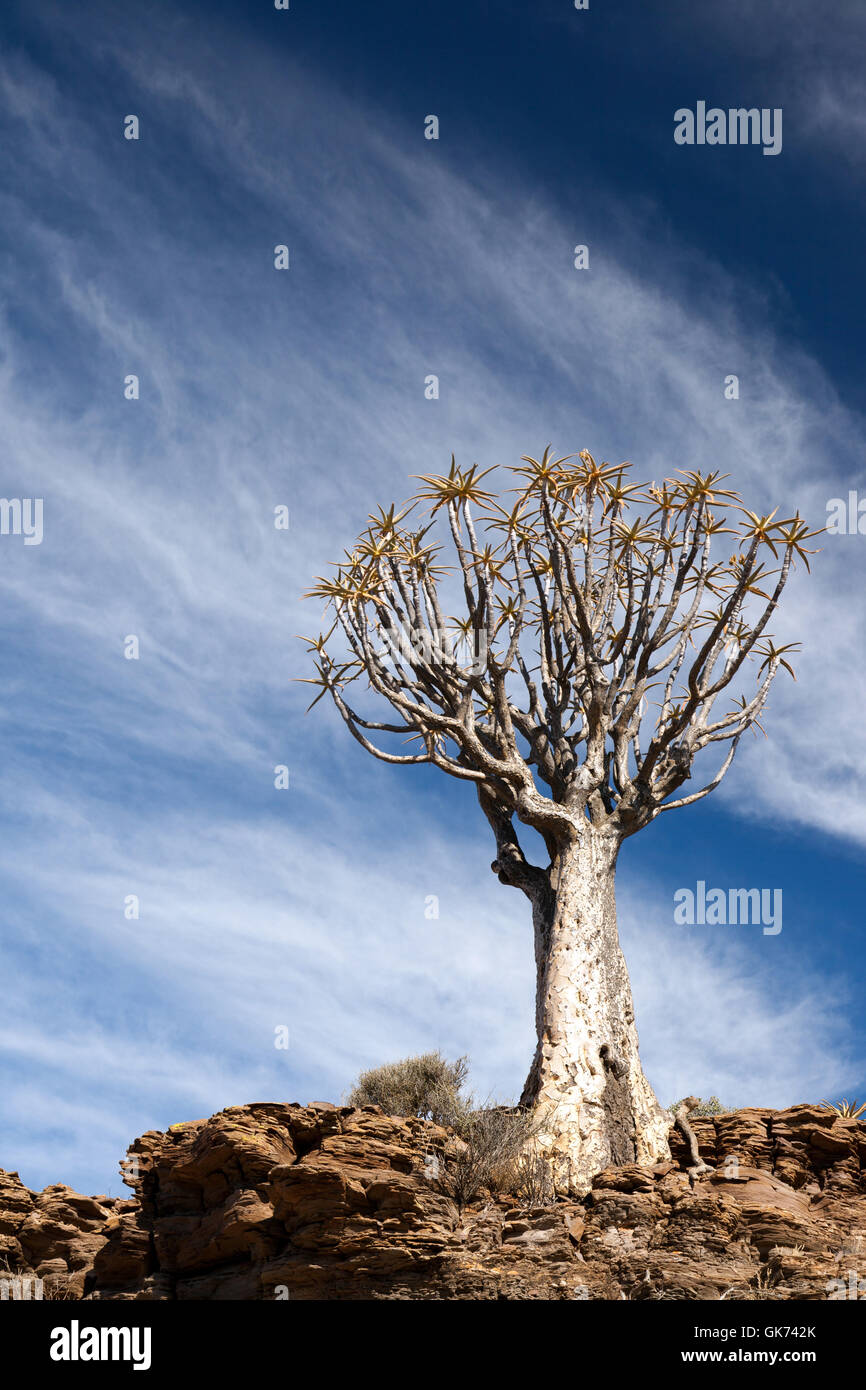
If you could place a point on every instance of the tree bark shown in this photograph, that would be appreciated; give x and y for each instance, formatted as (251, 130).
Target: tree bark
(593, 1104)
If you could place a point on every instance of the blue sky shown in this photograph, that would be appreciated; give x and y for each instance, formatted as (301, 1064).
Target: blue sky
(305, 907)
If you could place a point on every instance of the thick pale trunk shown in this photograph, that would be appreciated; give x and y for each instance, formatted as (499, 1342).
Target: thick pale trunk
(594, 1104)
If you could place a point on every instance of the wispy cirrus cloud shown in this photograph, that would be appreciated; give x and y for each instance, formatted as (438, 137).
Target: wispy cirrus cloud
(155, 777)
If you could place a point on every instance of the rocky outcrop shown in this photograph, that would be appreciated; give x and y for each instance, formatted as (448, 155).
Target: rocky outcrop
(278, 1201)
(54, 1235)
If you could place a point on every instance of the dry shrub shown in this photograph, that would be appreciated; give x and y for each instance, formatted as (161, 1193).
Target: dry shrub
(498, 1155)
(713, 1106)
(493, 1149)
(534, 1186)
(428, 1087)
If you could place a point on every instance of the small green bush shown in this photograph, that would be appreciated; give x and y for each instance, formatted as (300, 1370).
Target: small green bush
(493, 1150)
(846, 1109)
(713, 1106)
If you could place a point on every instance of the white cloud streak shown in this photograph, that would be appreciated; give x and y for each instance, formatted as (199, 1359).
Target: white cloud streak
(307, 389)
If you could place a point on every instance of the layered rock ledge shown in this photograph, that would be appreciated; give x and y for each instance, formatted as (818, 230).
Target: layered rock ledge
(270, 1201)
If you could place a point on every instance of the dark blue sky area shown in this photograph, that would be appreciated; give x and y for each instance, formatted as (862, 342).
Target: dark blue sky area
(572, 97)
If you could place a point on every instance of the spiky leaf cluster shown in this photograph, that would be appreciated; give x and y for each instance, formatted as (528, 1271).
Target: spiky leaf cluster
(599, 621)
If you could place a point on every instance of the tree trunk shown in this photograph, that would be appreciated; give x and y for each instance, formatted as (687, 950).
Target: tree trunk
(593, 1103)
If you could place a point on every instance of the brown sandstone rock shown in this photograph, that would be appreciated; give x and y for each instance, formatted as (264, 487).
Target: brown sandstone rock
(327, 1202)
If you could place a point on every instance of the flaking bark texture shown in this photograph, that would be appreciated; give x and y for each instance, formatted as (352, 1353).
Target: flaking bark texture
(594, 1104)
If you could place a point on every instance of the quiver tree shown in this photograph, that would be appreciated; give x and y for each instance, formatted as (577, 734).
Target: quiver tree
(575, 687)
